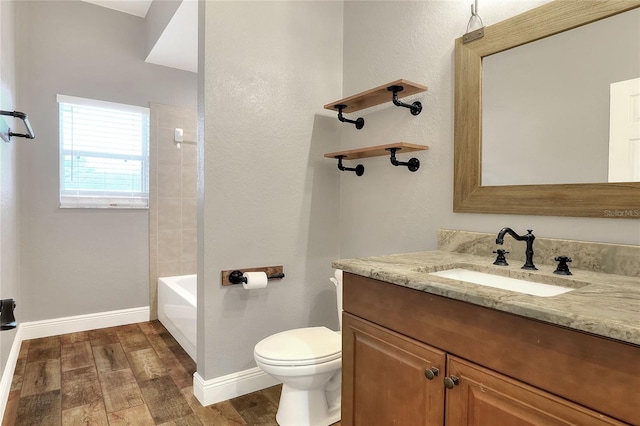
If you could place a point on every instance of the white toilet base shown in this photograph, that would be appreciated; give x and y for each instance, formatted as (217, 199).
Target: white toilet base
(305, 408)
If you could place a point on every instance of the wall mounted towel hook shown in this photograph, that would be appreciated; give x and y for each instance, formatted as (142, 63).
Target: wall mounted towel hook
(416, 107)
(22, 116)
(359, 123)
(359, 169)
(413, 164)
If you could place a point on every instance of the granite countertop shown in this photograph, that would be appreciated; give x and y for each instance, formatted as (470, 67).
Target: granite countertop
(603, 304)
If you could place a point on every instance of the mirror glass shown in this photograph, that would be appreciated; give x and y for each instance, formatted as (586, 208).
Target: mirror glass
(566, 108)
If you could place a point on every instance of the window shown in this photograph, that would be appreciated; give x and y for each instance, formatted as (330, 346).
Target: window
(104, 154)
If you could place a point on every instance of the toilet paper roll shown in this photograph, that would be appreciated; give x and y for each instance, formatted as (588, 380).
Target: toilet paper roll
(255, 280)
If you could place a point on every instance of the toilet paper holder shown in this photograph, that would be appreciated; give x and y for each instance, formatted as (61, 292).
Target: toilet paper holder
(236, 276)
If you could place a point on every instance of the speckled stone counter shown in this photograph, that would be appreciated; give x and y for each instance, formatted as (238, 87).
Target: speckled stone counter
(602, 257)
(601, 303)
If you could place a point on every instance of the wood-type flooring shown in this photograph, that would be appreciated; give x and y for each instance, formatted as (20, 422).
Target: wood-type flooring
(134, 375)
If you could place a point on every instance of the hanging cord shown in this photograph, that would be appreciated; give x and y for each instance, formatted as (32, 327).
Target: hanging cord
(474, 34)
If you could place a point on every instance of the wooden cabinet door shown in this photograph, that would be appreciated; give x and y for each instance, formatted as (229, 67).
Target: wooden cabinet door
(483, 397)
(384, 381)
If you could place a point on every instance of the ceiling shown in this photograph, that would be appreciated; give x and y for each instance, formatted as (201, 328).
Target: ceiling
(177, 46)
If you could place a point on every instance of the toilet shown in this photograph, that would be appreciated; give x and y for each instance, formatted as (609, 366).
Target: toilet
(308, 363)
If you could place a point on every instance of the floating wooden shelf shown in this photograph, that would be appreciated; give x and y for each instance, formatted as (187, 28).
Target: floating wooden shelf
(390, 92)
(376, 96)
(377, 151)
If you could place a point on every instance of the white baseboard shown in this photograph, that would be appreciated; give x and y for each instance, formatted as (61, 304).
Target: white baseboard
(9, 369)
(57, 326)
(230, 386)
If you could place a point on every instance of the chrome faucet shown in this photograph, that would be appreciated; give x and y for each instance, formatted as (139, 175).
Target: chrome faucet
(528, 264)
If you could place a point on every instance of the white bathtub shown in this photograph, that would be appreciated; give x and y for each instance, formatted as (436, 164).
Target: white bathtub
(177, 303)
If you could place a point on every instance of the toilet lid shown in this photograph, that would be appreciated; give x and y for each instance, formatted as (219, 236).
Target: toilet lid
(301, 346)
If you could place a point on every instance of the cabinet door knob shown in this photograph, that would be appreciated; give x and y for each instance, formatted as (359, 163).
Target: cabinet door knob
(450, 382)
(430, 373)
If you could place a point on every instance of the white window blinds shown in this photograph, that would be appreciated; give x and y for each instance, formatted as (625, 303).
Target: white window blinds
(104, 154)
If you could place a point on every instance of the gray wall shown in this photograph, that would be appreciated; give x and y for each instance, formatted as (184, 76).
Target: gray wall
(78, 261)
(9, 217)
(390, 210)
(267, 196)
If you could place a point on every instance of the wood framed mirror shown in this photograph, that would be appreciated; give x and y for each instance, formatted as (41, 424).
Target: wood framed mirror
(612, 200)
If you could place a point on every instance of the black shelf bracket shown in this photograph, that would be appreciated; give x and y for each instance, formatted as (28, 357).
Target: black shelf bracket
(359, 123)
(413, 164)
(359, 169)
(22, 116)
(416, 107)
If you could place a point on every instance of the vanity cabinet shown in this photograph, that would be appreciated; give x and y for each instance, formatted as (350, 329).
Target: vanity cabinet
(387, 384)
(400, 345)
(484, 397)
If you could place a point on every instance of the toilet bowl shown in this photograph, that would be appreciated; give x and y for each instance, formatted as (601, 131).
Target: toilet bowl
(308, 363)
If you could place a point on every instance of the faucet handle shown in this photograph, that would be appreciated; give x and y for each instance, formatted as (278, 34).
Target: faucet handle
(563, 268)
(500, 259)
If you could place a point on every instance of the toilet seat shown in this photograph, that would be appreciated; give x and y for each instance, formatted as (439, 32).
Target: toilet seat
(300, 346)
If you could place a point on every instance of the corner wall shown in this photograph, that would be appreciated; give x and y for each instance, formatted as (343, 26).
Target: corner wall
(390, 210)
(9, 217)
(269, 197)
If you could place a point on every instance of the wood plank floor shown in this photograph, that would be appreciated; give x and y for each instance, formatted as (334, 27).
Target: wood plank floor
(135, 375)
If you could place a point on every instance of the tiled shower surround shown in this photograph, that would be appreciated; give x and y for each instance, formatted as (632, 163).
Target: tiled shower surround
(172, 196)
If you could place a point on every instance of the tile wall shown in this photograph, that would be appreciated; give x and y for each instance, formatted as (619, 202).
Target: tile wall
(172, 196)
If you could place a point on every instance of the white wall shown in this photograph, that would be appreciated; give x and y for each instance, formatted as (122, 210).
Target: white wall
(267, 196)
(9, 217)
(78, 261)
(390, 210)
(157, 19)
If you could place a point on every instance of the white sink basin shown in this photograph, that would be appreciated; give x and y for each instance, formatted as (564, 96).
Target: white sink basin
(505, 283)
